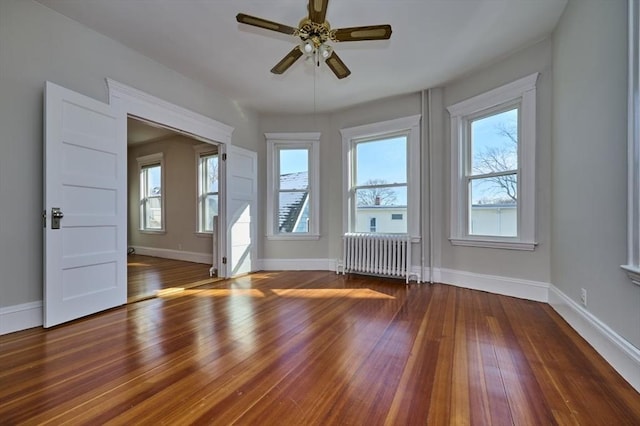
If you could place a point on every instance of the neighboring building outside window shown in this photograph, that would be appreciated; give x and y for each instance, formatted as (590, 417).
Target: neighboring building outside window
(493, 167)
(293, 185)
(208, 186)
(381, 177)
(151, 172)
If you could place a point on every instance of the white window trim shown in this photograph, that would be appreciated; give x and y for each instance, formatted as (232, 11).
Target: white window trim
(311, 141)
(633, 142)
(524, 92)
(204, 148)
(411, 126)
(147, 160)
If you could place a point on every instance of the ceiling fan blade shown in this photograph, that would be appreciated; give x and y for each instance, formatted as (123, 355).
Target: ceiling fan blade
(371, 32)
(337, 66)
(263, 23)
(318, 10)
(287, 61)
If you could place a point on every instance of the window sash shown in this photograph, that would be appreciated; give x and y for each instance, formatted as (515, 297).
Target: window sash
(205, 223)
(305, 220)
(409, 129)
(305, 191)
(146, 198)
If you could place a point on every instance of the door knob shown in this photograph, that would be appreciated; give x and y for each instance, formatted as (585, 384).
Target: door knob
(56, 215)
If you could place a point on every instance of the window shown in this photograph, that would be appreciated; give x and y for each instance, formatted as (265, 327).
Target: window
(381, 177)
(208, 186)
(151, 197)
(493, 168)
(293, 191)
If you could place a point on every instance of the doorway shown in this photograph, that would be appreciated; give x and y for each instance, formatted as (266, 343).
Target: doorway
(173, 209)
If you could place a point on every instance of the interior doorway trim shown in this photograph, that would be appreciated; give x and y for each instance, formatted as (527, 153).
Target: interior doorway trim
(148, 107)
(128, 101)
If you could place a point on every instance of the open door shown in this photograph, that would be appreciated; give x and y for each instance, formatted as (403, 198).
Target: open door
(241, 202)
(85, 240)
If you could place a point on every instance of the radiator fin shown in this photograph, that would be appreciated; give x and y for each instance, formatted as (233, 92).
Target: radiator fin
(377, 254)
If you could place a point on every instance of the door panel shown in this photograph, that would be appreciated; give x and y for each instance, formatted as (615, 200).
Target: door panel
(242, 193)
(84, 176)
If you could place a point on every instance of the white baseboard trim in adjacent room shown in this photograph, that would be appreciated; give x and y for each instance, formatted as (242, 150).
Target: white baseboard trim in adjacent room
(20, 317)
(187, 256)
(617, 351)
(515, 287)
(297, 264)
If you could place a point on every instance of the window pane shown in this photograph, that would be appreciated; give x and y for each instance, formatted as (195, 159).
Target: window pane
(494, 206)
(210, 210)
(378, 206)
(153, 219)
(293, 212)
(382, 161)
(494, 143)
(294, 168)
(153, 183)
(211, 173)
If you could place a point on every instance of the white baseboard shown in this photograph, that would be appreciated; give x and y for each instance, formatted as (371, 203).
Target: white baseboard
(20, 317)
(187, 256)
(617, 351)
(515, 287)
(297, 264)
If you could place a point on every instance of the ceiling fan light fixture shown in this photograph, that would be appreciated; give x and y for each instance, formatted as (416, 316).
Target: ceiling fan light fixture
(307, 47)
(325, 51)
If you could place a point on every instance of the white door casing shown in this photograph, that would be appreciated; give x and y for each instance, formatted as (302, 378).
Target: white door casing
(85, 176)
(241, 182)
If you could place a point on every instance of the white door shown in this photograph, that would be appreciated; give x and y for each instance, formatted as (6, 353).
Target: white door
(85, 178)
(241, 172)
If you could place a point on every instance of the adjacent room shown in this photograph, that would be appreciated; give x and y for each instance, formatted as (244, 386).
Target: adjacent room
(320, 212)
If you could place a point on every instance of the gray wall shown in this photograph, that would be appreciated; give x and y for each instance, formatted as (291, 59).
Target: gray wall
(180, 192)
(589, 196)
(37, 44)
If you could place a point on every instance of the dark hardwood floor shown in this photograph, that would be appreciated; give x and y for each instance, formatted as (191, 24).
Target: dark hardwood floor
(148, 276)
(313, 348)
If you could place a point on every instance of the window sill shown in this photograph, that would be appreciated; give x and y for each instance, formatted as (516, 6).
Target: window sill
(633, 272)
(283, 237)
(498, 244)
(152, 232)
(203, 234)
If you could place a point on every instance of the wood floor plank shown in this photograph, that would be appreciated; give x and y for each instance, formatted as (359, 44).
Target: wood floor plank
(313, 348)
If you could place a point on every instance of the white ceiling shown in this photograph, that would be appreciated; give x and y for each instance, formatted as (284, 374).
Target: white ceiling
(433, 41)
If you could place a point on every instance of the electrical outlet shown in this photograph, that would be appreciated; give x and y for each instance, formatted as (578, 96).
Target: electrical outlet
(583, 296)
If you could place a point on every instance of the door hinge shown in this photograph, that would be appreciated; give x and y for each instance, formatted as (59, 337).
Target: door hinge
(44, 218)
(224, 157)
(224, 260)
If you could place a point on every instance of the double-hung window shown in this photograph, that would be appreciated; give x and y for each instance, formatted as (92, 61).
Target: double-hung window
(293, 185)
(151, 196)
(493, 168)
(381, 177)
(208, 186)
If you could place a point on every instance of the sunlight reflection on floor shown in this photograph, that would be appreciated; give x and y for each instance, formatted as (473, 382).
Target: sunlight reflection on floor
(321, 293)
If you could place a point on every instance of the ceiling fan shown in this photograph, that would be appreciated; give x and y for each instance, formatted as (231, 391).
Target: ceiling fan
(314, 33)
